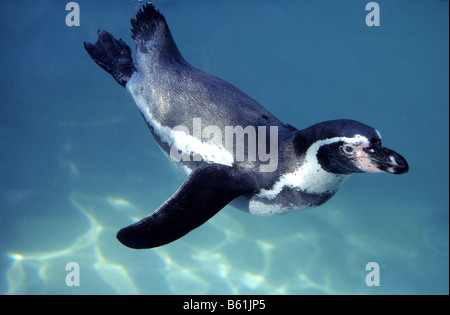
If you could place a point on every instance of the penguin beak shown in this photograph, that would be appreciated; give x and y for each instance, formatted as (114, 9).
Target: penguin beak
(386, 160)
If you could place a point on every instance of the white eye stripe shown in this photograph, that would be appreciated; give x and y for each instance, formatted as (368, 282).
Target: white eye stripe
(378, 133)
(309, 176)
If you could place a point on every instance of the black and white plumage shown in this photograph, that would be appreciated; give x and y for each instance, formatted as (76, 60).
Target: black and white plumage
(189, 113)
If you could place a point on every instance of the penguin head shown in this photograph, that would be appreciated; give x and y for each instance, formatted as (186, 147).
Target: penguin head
(347, 147)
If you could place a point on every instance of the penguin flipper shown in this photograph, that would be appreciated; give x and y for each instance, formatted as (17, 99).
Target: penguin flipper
(112, 55)
(206, 191)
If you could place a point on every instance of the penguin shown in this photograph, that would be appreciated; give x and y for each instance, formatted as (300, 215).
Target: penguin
(232, 150)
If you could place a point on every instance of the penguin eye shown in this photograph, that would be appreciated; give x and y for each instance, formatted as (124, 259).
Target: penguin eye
(348, 149)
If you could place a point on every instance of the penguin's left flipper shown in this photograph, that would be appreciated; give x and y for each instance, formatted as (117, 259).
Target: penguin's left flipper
(206, 191)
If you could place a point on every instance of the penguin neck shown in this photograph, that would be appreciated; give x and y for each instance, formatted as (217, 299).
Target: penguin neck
(308, 174)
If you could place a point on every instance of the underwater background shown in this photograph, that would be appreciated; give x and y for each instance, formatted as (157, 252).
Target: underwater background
(78, 162)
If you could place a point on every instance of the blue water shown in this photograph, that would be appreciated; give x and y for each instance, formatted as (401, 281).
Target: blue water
(78, 163)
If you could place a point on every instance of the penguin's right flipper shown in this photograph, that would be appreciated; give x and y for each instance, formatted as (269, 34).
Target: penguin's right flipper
(206, 191)
(112, 55)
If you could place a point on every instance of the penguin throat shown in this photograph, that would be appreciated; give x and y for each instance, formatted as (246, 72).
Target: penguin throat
(310, 176)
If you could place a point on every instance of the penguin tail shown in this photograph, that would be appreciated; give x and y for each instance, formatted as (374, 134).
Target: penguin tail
(152, 35)
(112, 55)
